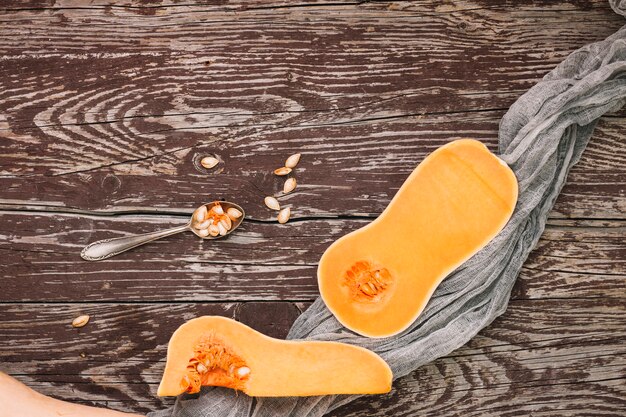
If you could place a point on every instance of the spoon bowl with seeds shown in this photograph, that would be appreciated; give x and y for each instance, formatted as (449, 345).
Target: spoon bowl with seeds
(209, 221)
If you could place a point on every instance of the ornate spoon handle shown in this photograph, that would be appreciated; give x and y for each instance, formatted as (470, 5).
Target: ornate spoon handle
(103, 249)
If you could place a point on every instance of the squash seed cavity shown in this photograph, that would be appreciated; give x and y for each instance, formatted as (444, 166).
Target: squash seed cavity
(215, 363)
(366, 281)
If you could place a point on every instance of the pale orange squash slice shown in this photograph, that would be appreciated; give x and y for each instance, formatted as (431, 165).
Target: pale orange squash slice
(218, 351)
(378, 279)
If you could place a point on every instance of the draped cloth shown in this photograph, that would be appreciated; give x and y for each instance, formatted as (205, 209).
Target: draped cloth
(541, 137)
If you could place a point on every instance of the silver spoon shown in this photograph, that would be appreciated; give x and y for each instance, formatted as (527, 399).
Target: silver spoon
(106, 248)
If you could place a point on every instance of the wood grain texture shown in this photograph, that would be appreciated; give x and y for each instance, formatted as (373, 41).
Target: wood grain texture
(111, 103)
(261, 261)
(524, 364)
(541, 355)
(107, 107)
(120, 354)
(351, 170)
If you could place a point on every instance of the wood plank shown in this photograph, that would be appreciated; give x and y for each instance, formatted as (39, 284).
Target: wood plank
(383, 35)
(601, 397)
(262, 261)
(348, 170)
(568, 362)
(542, 356)
(362, 102)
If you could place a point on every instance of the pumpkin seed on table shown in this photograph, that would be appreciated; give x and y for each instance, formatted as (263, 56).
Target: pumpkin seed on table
(209, 162)
(80, 321)
(282, 171)
(283, 215)
(289, 185)
(272, 203)
(292, 161)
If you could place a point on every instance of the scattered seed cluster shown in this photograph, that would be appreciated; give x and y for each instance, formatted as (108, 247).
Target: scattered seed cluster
(289, 185)
(214, 221)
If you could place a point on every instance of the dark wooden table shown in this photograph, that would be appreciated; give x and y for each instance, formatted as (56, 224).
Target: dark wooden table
(106, 110)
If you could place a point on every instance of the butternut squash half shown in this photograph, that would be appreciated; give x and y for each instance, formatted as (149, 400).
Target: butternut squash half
(378, 279)
(218, 351)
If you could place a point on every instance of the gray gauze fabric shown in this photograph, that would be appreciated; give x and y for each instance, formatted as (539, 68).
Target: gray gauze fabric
(541, 136)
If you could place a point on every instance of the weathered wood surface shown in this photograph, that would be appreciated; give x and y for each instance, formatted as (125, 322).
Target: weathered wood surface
(262, 261)
(101, 104)
(106, 109)
(369, 160)
(541, 353)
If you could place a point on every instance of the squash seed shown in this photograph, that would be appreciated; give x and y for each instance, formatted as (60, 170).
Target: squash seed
(221, 229)
(272, 203)
(217, 209)
(283, 215)
(209, 162)
(214, 230)
(200, 214)
(226, 222)
(80, 321)
(203, 232)
(233, 213)
(290, 185)
(292, 161)
(203, 225)
(201, 368)
(243, 372)
(282, 171)
(367, 289)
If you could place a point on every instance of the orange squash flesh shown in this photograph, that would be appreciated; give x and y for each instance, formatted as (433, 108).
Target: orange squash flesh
(378, 279)
(218, 351)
